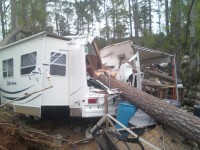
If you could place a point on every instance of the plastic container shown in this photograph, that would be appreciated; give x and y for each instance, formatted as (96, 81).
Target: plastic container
(196, 110)
(124, 113)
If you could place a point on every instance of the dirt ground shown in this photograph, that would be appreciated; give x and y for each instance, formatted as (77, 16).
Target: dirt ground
(72, 130)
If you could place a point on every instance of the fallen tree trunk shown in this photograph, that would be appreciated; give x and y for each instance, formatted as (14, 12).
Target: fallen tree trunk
(11, 35)
(187, 124)
(146, 82)
(163, 76)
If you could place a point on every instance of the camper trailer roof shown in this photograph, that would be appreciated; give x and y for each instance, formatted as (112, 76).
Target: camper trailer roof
(37, 35)
(146, 55)
(152, 56)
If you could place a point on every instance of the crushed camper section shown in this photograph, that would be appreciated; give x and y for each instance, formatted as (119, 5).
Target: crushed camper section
(131, 68)
(136, 85)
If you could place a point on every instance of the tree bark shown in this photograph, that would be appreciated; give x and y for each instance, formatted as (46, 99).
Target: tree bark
(9, 37)
(136, 18)
(186, 124)
(159, 17)
(13, 17)
(167, 17)
(192, 34)
(2, 19)
(130, 20)
(106, 19)
(150, 21)
(113, 18)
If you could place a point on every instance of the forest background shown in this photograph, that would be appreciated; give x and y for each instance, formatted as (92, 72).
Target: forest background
(171, 26)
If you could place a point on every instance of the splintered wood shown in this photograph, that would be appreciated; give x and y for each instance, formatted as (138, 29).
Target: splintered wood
(187, 124)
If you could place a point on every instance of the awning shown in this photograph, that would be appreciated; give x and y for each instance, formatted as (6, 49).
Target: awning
(152, 56)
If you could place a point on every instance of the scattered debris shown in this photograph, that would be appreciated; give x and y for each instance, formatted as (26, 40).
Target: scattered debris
(16, 136)
(185, 123)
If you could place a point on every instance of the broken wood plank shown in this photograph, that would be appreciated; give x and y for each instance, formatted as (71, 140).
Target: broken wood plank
(146, 82)
(187, 124)
(84, 140)
(163, 76)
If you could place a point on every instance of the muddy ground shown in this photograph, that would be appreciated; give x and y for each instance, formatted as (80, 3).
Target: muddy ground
(22, 133)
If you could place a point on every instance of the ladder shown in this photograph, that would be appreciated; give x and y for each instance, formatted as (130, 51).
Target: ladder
(45, 65)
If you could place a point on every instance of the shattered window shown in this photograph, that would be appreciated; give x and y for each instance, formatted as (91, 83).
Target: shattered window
(59, 66)
(8, 68)
(28, 63)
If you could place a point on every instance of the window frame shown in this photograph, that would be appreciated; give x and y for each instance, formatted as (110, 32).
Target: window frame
(58, 64)
(7, 70)
(28, 66)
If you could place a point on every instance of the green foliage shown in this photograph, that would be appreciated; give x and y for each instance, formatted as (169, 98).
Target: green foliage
(87, 12)
(101, 42)
(190, 72)
(32, 13)
(66, 17)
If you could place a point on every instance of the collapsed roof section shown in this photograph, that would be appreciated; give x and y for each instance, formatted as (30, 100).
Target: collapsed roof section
(122, 52)
(152, 56)
(115, 54)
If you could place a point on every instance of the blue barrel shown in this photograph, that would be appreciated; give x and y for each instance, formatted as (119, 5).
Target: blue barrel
(196, 110)
(124, 113)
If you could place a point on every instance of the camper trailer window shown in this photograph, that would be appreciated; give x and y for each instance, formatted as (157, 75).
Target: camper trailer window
(28, 63)
(58, 67)
(8, 68)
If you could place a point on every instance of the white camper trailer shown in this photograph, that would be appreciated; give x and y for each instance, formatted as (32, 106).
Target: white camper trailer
(58, 71)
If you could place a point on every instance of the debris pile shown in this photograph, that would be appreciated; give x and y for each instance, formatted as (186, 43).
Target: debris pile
(15, 136)
(184, 123)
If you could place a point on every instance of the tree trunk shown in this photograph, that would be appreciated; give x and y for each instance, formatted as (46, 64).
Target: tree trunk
(2, 19)
(159, 16)
(136, 18)
(186, 124)
(164, 77)
(25, 13)
(192, 34)
(113, 18)
(9, 37)
(130, 20)
(56, 19)
(13, 17)
(176, 29)
(167, 17)
(106, 19)
(150, 21)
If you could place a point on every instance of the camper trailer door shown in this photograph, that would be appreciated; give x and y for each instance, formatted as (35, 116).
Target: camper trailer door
(77, 78)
